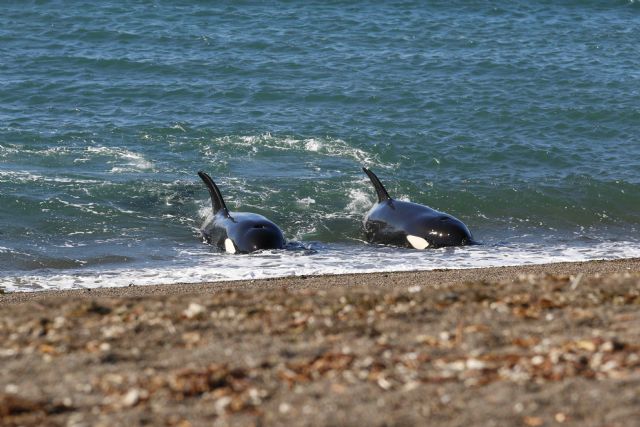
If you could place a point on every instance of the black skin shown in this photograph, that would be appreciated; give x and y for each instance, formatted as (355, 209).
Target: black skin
(390, 221)
(249, 232)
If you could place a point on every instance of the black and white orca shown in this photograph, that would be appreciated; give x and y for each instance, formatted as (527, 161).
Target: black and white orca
(237, 232)
(406, 224)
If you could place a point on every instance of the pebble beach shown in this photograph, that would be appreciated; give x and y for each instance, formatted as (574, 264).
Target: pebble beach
(542, 345)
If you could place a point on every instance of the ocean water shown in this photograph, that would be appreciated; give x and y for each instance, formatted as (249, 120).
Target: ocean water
(520, 118)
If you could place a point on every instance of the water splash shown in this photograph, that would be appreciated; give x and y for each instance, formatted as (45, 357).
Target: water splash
(202, 265)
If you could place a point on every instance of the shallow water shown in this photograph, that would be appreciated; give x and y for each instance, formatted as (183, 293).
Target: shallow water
(520, 119)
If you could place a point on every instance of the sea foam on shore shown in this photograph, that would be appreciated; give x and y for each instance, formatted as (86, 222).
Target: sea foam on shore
(203, 265)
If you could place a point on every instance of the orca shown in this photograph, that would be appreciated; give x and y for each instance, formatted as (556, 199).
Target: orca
(406, 224)
(237, 232)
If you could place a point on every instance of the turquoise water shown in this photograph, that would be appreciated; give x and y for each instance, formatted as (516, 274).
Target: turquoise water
(520, 118)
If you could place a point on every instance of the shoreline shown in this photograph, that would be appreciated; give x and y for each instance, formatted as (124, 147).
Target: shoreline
(538, 345)
(441, 276)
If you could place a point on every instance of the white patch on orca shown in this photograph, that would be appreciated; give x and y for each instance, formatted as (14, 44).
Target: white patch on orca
(229, 246)
(417, 242)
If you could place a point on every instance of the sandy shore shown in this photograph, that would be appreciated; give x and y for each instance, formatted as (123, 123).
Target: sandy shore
(555, 344)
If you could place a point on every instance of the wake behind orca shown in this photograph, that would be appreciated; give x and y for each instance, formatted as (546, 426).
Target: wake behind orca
(406, 224)
(237, 232)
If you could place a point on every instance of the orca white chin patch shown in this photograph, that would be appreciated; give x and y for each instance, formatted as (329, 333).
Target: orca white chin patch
(417, 242)
(229, 246)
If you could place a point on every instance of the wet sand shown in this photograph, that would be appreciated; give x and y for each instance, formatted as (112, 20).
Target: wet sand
(555, 344)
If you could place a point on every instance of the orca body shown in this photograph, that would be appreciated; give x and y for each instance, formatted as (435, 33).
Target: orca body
(406, 224)
(237, 232)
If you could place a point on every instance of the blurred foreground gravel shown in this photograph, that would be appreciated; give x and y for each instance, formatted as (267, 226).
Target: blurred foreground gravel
(536, 346)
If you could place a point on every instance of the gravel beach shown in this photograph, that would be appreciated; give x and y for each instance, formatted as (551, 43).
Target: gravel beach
(543, 345)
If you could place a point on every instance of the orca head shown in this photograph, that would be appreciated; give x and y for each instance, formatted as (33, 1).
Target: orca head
(439, 231)
(256, 235)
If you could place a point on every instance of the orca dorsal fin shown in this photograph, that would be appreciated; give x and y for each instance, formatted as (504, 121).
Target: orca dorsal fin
(382, 192)
(216, 198)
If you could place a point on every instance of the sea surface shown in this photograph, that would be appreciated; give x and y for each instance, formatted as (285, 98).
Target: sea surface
(520, 118)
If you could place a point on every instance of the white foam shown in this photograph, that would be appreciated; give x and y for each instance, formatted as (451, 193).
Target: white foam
(124, 160)
(333, 147)
(360, 201)
(306, 201)
(312, 145)
(84, 207)
(24, 176)
(199, 264)
(21, 149)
